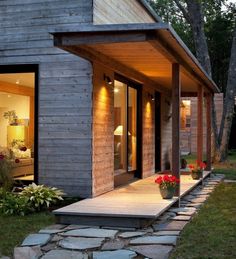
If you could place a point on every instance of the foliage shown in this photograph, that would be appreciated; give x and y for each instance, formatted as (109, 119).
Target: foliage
(5, 169)
(14, 229)
(14, 204)
(40, 196)
(167, 181)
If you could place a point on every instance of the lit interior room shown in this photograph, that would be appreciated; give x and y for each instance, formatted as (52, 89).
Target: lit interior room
(17, 99)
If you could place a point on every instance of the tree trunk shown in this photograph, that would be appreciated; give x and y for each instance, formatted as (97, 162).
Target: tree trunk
(229, 103)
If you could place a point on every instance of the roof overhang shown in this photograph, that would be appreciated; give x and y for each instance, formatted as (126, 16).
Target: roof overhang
(148, 50)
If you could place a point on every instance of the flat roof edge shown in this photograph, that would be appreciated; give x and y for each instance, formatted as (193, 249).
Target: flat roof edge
(150, 10)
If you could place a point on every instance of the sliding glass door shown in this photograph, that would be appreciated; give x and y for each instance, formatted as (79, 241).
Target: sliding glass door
(125, 131)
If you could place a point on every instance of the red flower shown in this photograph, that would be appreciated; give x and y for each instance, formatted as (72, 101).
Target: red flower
(169, 180)
(17, 160)
(191, 167)
(23, 149)
(202, 165)
(2, 156)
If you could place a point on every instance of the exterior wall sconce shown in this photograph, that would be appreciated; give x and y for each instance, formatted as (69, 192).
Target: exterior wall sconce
(107, 79)
(151, 97)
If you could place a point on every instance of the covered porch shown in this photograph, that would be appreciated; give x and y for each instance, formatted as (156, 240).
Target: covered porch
(153, 56)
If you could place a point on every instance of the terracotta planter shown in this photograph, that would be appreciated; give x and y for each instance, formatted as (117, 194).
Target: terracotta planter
(196, 174)
(167, 193)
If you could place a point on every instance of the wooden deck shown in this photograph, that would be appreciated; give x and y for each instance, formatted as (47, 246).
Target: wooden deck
(134, 205)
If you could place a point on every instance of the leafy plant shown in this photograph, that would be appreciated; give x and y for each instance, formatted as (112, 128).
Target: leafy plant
(40, 196)
(6, 180)
(13, 204)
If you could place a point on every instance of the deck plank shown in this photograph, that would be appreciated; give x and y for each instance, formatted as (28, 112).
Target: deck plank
(140, 199)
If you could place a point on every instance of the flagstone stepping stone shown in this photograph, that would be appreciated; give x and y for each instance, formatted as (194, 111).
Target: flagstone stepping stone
(198, 200)
(131, 234)
(56, 238)
(36, 240)
(172, 225)
(187, 213)
(120, 228)
(114, 244)
(182, 217)
(64, 254)
(166, 233)
(118, 254)
(153, 251)
(50, 231)
(49, 246)
(56, 226)
(171, 213)
(195, 205)
(91, 232)
(80, 243)
(27, 252)
(183, 209)
(72, 226)
(148, 240)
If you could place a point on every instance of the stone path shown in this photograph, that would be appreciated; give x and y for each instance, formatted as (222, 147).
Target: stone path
(89, 242)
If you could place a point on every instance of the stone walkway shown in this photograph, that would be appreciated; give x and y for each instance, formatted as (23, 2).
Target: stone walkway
(88, 242)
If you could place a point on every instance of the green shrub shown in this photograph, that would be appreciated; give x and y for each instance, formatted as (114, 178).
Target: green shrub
(6, 179)
(40, 196)
(14, 204)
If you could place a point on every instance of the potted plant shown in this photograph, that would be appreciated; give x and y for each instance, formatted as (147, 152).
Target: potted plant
(167, 185)
(197, 170)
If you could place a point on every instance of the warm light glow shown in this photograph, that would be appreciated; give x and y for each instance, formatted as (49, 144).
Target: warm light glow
(186, 102)
(18, 81)
(116, 90)
(119, 131)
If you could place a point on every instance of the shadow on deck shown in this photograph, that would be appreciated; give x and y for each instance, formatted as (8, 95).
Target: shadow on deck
(134, 206)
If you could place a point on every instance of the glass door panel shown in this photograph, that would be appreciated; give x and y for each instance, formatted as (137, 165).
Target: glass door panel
(120, 127)
(125, 132)
(132, 129)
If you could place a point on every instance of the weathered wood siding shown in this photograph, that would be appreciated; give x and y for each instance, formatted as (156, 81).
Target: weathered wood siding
(65, 87)
(148, 138)
(122, 11)
(103, 131)
(166, 132)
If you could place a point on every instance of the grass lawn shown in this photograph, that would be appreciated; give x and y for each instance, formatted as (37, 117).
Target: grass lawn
(13, 229)
(212, 233)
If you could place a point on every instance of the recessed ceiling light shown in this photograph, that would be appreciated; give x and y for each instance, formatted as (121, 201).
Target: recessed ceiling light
(18, 81)
(9, 96)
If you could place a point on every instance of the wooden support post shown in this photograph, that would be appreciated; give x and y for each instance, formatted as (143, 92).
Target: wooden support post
(200, 124)
(176, 86)
(208, 130)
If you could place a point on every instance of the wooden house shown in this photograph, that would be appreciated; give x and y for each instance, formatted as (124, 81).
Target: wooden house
(107, 77)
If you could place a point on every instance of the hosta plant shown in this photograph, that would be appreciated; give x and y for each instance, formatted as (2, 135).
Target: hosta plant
(40, 196)
(14, 204)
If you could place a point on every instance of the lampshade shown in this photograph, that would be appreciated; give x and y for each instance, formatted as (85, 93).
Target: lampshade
(119, 131)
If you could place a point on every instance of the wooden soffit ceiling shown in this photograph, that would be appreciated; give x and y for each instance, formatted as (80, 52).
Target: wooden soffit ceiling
(145, 49)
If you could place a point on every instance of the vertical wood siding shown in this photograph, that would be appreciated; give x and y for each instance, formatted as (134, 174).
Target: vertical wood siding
(122, 11)
(65, 87)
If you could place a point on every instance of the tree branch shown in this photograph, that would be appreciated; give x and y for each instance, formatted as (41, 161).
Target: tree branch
(182, 9)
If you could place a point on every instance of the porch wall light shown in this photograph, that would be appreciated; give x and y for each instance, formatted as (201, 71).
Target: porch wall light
(107, 79)
(151, 97)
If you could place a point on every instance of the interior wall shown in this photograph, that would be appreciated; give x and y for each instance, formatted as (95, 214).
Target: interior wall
(9, 102)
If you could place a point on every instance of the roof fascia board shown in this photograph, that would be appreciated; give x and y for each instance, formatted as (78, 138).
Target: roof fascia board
(150, 10)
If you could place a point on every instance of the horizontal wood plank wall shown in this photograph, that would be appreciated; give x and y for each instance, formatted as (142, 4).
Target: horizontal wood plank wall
(166, 139)
(122, 11)
(103, 131)
(192, 134)
(65, 87)
(148, 139)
